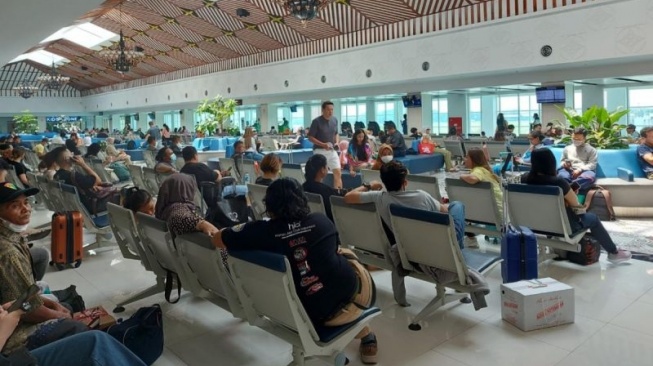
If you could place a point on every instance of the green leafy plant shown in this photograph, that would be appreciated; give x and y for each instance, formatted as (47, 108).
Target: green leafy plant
(603, 127)
(26, 123)
(219, 110)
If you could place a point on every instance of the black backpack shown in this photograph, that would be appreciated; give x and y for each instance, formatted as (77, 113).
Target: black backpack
(131, 145)
(142, 333)
(599, 202)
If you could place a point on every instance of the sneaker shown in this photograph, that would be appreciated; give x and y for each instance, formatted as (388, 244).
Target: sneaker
(650, 176)
(471, 242)
(368, 351)
(620, 256)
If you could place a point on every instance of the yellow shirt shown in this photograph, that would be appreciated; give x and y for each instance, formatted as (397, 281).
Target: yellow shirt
(39, 149)
(484, 175)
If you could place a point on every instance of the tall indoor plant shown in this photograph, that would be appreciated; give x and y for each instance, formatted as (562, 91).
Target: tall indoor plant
(26, 123)
(219, 110)
(603, 127)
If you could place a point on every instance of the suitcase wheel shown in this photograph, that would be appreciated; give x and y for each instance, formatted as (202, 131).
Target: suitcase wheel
(60, 266)
(465, 300)
(78, 263)
(51, 263)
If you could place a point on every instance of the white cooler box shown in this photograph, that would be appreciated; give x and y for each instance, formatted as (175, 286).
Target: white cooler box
(537, 304)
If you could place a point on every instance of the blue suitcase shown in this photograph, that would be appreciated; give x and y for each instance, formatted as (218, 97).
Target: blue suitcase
(519, 253)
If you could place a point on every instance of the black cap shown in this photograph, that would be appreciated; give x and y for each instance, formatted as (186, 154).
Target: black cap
(9, 192)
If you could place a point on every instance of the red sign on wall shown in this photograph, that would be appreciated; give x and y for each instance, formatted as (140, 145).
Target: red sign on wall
(456, 122)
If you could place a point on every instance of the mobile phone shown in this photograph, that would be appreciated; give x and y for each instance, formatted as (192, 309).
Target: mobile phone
(229, 169)
(22, 301)
(575, 186)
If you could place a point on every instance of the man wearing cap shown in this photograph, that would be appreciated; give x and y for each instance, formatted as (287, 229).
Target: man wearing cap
(16, 273)
(395, 139)
(324, 136)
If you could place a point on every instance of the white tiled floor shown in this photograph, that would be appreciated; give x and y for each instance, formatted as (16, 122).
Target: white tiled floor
(613, 324)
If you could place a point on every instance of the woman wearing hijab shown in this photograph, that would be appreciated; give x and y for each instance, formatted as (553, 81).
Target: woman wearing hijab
(175, 205)
(385, 156)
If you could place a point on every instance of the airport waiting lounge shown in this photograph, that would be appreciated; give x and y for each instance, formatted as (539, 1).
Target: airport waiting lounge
(326, 182)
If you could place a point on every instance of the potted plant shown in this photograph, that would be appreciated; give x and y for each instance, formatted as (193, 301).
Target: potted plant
(26, 123)
(219, 110)
(603, 127)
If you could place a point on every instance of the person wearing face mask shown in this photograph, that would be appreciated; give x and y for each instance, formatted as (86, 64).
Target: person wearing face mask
(165, 159)
(16, 271)
(384, 156)
(579, 161)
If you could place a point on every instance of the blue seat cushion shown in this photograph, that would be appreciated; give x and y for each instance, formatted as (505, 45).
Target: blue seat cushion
(479, 261)
(327, 334)
(102, 220)
(417, 164)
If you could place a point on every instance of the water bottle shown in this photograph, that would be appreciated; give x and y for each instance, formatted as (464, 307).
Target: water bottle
(246, 178)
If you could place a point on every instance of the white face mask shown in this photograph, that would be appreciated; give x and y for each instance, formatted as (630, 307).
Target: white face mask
(14, 227)
(386, 159)
(578, 143)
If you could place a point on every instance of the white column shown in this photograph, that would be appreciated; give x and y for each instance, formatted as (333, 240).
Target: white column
(414, 115)
(427, 114)
(115, 122)
(592, 95)
(489, 114)
(550, 111)
(616, 97)
(42, 124)
(457, 107)
(158, 117)
(370, 112)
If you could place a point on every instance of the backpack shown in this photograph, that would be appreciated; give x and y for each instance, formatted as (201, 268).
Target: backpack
(599, 202)
(131, 145)
(142, 333)
(590, 250)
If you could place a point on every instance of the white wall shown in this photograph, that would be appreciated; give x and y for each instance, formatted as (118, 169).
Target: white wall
(603, 37)
(10, 106)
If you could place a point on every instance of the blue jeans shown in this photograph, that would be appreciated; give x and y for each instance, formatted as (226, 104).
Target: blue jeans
(592, 222)
(92, 348)
(457, 212)
(253, 156)
(586, 179)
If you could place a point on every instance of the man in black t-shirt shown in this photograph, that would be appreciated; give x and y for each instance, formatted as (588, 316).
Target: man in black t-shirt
(193, 167)
(324, 281)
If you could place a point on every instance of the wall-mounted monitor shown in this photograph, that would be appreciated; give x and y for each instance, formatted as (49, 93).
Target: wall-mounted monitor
(550, 94)
(412, 101)
(293, 108)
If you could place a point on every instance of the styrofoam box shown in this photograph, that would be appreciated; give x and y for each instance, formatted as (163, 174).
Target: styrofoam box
(537, 304)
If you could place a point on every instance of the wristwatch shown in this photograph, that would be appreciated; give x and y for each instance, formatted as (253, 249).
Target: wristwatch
(368, 186)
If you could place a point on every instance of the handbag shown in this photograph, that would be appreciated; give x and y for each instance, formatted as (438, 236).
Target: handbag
(97, 196)
(70, 297)
(142, 333)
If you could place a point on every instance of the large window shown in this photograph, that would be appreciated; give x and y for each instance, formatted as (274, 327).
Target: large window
(385, 111)
(640, 104)
(578, 101)
(244, 118)
(440, 116)
(172, 119)
(475, 114)
(297, 118)
(352, 112)
(518, 110)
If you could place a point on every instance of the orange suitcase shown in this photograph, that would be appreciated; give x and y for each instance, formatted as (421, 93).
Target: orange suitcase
(67, 243)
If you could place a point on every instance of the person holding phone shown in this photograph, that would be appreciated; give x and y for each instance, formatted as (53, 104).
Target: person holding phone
(579, 161)
(94, 347)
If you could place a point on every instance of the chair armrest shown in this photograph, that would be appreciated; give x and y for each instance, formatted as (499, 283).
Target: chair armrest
(625, 174)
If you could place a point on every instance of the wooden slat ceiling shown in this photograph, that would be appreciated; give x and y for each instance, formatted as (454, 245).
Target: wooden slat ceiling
(179, 34)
